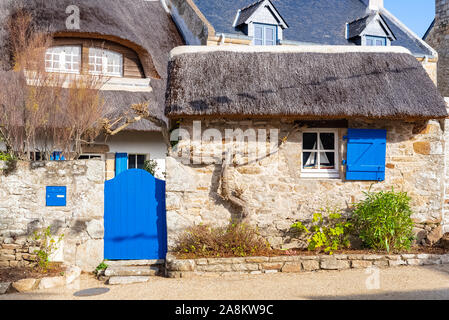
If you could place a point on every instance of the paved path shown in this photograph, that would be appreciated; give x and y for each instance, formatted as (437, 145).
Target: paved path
(425, 282)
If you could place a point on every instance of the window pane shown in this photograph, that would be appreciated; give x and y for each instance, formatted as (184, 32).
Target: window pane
(270, 43)
(258, 32)
(369, 42)
(379, 42)
(327, 160)
(327, 141)
(140, 161)
(258, 42)
(132, 161)
(309, 141)
(269, 34)
(310, 160)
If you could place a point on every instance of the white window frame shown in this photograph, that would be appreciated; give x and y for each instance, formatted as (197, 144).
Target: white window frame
(91, 155)
(93, 53)
(137, 154)
(321, 173)
(63, 59)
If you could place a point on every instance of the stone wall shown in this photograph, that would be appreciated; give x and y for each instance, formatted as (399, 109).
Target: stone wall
(23, 210)
(437, 39)
(277, 194)
(177, 268)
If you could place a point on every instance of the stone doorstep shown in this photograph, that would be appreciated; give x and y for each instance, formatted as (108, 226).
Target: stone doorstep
(127, 279)
(132, 271)
(134, 262)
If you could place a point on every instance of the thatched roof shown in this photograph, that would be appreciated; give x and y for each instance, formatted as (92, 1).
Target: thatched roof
(301, 82)
(141, 25)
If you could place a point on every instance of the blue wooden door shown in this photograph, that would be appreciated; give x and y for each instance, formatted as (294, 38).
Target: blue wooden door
(134, 217)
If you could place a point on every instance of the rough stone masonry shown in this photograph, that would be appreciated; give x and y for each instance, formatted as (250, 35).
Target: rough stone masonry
(276, 193)
(23, 210)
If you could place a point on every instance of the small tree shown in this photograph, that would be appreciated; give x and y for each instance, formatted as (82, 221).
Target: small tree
(45, 111)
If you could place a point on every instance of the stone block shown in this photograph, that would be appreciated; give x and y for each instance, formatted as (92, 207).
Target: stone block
(396, 263)
(422, 147)
(245, 267)
(291, 267)
(334, 264)
(95, 229)
(4, 287)
(25, 285)
(272, 266)
(359, 264)
(127, 280)
(310, 265)
(256, 259)
(181, 265)
(51, 282)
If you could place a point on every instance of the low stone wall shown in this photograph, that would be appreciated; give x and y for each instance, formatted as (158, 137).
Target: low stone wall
(17, 253)
(178, 268)
(23, 210)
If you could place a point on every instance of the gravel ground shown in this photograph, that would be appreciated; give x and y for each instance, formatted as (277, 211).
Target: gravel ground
(425, 282)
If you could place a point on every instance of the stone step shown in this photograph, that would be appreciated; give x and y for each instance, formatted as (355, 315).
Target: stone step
(134, 262)
(127, 279)
(132, 271)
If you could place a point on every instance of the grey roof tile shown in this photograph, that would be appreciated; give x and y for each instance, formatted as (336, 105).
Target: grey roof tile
(310, 21)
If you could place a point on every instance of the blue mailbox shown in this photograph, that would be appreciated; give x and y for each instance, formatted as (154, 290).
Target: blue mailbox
(56, 196)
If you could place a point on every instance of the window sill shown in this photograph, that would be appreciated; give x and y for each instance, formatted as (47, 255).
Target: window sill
(320, 175)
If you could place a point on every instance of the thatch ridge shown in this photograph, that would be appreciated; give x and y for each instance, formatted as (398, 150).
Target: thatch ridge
(299, 84)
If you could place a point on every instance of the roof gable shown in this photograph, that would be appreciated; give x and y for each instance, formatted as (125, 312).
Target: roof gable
(253, 12)
(372, 24)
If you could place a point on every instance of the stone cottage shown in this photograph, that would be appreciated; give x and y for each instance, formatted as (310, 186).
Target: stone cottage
(299, 128)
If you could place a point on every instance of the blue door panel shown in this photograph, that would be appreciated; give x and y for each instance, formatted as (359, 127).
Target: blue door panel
(135, 220)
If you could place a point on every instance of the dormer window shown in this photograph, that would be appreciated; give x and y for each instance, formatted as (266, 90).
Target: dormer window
(370, 30)
(262, 22)
(265, 35)
(66, 59)
(375, 41)
(105, 62)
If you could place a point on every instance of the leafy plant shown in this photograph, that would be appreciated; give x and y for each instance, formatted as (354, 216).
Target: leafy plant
(383, 220)
(10, 160)
(328, 233)
(101, 266)
(48, 245)
(237, 239)
(150, 166)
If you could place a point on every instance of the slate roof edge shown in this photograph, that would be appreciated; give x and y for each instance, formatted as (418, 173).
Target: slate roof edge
(409, 32)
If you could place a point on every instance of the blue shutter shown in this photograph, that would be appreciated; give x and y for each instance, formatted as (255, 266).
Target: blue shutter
(121, 163)
(366, 153)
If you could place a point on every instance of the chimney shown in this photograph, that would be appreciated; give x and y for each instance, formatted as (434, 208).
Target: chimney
(376, 5)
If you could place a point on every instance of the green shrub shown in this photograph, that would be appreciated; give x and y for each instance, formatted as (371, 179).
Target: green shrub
(328, 233)
(101, 266)
(237, 239)
(383, 220)
(150, 166)
(48, 245)
(11, 162)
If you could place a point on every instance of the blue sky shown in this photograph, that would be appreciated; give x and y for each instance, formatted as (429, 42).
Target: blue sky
(416, 14)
